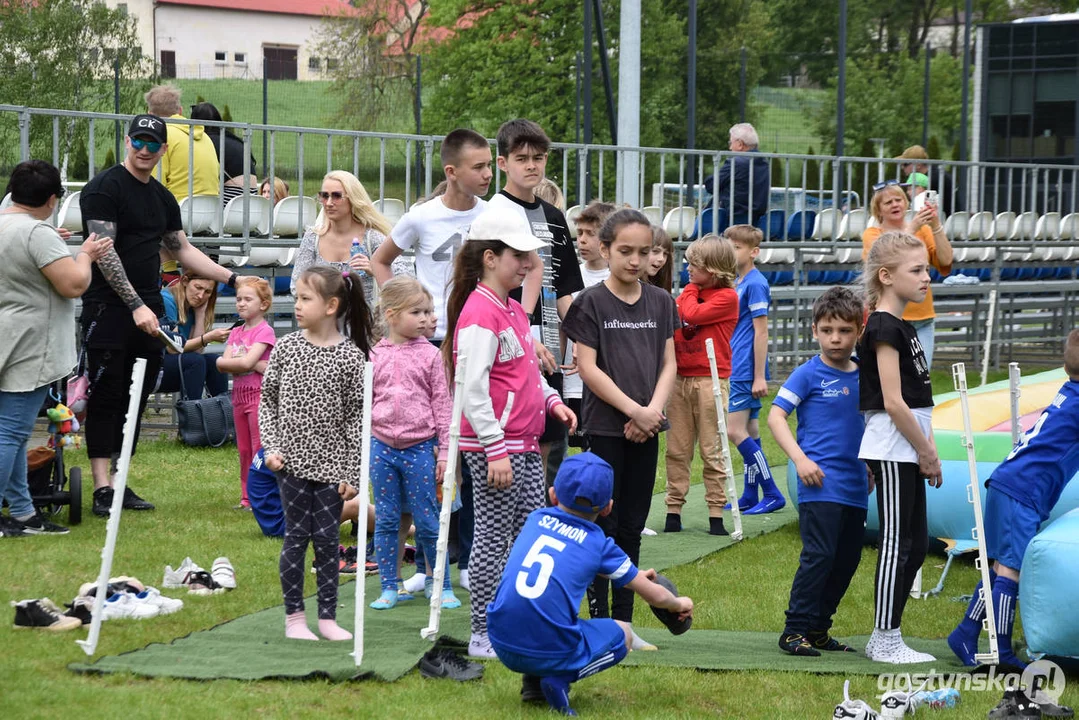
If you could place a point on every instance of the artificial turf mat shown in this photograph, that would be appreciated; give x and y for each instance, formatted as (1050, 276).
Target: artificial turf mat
(254, 647)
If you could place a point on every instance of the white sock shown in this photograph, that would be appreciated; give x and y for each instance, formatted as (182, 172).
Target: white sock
(639, 643)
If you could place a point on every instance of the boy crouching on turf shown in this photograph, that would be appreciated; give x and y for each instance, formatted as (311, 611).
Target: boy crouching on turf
(832, 496)
(532, 623)
(1022, 492)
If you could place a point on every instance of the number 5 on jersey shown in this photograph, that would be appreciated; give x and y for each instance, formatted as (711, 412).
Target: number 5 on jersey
(537, 556)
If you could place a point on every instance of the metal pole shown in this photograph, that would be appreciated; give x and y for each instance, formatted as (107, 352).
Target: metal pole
(629, 101)
(691, 84)
(361, 524)
(418, 111)
(605, 70)
(841, 85)
(577, 121)
(117, 134)
(964, 114)
(266, 114)
(742, 85)
(587, 125)
(925, 97)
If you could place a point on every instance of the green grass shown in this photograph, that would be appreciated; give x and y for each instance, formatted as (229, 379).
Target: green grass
(745, 587)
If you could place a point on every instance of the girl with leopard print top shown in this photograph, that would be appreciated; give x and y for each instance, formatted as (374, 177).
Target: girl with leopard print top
(311, 423)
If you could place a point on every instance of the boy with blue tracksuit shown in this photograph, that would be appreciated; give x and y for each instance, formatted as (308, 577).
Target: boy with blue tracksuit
(1022, 492)
(832, 495)
(749, 372)
(532, 623)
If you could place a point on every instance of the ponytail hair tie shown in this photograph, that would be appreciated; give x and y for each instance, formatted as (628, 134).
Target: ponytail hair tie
(345, 274)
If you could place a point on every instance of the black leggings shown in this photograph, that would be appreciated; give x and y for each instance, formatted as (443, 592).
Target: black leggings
(109, 370)
(904, 537)
(312, 513)
(634, 467)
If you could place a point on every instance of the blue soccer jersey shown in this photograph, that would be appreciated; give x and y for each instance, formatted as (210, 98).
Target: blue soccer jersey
(754, 297)
(829, 430)
(552, 563)
(1047, 456)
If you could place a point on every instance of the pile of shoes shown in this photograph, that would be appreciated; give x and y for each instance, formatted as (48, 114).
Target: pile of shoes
(126, 599)
(42, 614)
(188, 574)
(348, 561)
(1020, 705)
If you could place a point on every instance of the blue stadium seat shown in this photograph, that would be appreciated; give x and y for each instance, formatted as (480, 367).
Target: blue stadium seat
(771, 224)
(705, 224)
(800, 225)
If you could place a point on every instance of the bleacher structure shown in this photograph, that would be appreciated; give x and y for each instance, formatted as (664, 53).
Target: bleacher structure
(1017, 231)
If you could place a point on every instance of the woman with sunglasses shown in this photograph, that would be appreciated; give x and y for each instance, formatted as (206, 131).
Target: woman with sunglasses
(347, 216)
(39, 280)
(889, 208)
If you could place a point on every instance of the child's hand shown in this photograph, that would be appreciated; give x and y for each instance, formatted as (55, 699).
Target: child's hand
(500, 473)
(647, 420)
(547, 361)
(760, 388)
(565, 416)
(346, 491)
(809, 472)
(929, 466)
(683, 606)
(633, 433)
(440, 471)
(275, 462)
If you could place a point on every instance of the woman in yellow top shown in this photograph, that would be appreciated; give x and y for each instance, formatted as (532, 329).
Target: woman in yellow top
(889, 207)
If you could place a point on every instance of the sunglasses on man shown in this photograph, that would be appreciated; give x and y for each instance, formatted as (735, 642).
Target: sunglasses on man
(139, 144)
(337, 195)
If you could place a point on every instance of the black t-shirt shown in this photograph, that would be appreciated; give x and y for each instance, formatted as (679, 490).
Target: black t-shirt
(143, 213)
(630, 342)
(886, 329)
(234, 153)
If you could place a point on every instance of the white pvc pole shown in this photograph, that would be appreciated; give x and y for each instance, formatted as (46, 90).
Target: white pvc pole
(449, 486)
(1014, 392)
(361, 518)
(959, 376)
(112, 527)
(987, 348)
(724, 445)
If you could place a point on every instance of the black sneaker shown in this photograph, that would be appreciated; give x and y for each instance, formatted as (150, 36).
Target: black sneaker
(81, 608)
(450, 665)
(531, 692)
(38, 525)
(134, 502)
(42, 615)
(10, 527)
(821, 640)
(715, 526)
(673, 523)
(796, 644)
(102, 502)
(1015, 705)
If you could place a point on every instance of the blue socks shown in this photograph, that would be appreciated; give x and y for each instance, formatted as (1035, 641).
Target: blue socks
(1005, 593)
(756, 464)
(964, 639)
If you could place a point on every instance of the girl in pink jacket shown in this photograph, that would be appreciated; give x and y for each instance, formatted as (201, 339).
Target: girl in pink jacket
(410, 418)
(506, 398)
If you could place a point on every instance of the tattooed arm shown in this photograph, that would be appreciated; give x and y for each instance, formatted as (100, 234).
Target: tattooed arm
(192, 259)
(111, 266)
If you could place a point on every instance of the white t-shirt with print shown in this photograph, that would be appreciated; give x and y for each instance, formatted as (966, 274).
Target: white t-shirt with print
(572, 385)
(436, 233)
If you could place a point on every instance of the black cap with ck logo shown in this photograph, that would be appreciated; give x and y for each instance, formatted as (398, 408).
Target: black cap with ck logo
(149, 126)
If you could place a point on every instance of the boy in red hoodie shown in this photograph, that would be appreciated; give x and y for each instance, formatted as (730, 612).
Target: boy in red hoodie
(708, 307)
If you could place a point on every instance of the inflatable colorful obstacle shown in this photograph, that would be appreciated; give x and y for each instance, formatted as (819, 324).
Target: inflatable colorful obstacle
(1050, 571)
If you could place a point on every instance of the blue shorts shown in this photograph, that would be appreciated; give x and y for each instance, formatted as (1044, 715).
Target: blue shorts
(1009, 527)
(742, 399)
(603, 645)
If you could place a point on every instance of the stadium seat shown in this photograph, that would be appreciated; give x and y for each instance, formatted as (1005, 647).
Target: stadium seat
(826, 223)
(571, 219)
(800, 225)
(1024, 226)
(391, 208)
(1002, 225)
(287, 220)
(6, 202)
(654, 213)
(70, 215)
(853, 224)
(1069, 230)
(955, 229)
(679, 222)
(199, 212)
(704, 224)
(772, 224)
(1047, 230)
(980, 229)
(271, 256)
(259, 215)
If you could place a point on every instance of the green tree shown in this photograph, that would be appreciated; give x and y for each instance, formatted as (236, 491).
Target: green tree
(63, 54)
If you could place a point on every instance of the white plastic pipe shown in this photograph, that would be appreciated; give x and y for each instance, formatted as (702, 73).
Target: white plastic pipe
(987, 348)
(361, 518)
(449, 486)
(1014, 392)
(724, 445)
(112, 527)
(959, 377)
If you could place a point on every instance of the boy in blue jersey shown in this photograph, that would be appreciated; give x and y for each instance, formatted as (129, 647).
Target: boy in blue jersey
(1022, 492)
(833, 492)
(749, 372)
(532, 623)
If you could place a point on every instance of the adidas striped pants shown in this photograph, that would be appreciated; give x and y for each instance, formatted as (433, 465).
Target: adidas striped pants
(904, 537)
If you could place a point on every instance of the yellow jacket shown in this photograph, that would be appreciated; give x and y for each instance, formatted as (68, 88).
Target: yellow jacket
(176, 160)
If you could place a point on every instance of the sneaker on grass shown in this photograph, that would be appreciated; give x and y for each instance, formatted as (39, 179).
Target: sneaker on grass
(38, 525)
(42, 615)
(203, 583)
(223, 573)
(479, 646)
(165, 605)
(10, 527)
(125, 606)
(448, 664)
(81, 608)
(179, 577)
(853, 709)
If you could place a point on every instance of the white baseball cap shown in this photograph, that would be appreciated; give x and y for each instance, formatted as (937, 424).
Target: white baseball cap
(507, 225)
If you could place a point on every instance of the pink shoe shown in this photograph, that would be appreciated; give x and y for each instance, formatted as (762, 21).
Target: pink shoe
(330, 630)
(296, 627)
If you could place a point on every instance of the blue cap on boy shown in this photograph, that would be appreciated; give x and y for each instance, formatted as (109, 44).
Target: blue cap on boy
(584, 483)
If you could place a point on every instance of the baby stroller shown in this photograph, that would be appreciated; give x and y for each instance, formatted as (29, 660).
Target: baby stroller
(47, 475)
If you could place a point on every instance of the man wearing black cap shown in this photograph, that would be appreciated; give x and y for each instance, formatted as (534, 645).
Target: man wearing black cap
(121, 307)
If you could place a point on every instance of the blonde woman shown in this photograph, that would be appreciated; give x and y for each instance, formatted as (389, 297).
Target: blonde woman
(889, 207)
(347, 215)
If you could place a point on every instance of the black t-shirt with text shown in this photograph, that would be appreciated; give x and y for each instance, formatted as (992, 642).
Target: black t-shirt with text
(886, 329)
(630, 342)
(143, 212)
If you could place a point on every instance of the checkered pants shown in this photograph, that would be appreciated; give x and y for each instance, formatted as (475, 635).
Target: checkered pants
(312, 513)
(500, 515)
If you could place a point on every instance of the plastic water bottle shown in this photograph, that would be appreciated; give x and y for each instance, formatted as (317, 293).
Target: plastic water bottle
(357, 249)
(936, 699)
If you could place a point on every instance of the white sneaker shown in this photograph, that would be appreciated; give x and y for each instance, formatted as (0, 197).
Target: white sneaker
(178, 578)
(853, 709)
(126, 606)
(414, 584)
(894, 651)
(648, 532)
(875, 643)
(223, 573)
(165, 605)
(480, 647)
(897, 703)
(463, 582)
